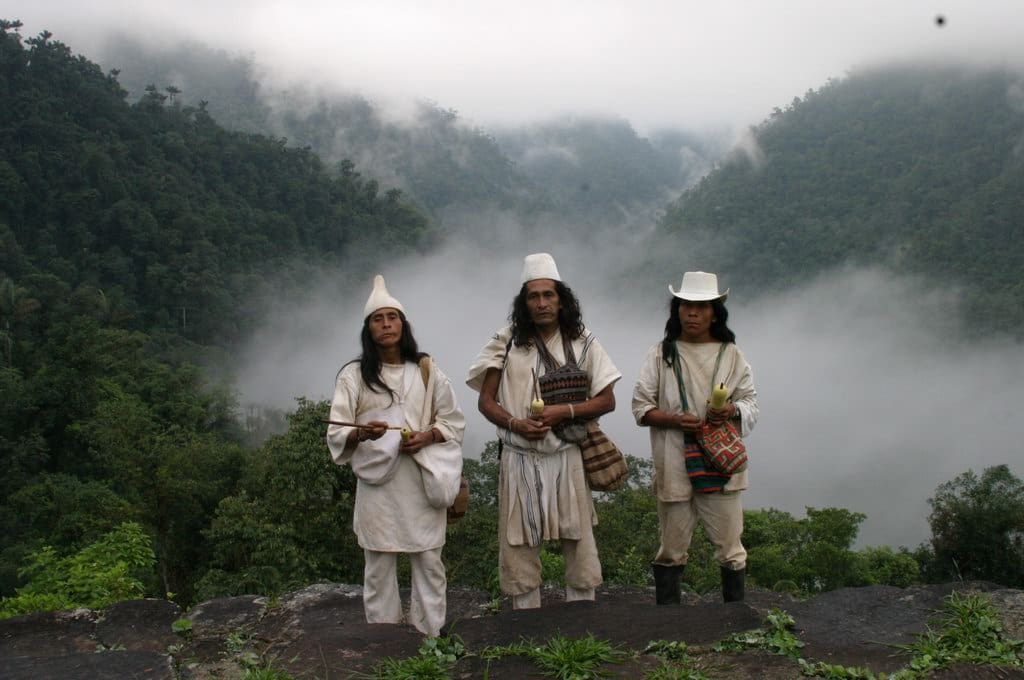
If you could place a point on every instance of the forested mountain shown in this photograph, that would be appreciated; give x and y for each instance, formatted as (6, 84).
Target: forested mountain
(919, 169)
(133, 237)
(174, 218)
(572, 171)
(600, 171)
(427, 152)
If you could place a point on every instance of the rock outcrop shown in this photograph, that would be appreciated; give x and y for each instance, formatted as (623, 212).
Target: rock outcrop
(319, 632)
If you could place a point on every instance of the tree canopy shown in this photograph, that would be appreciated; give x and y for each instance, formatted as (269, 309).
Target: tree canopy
(917, 169)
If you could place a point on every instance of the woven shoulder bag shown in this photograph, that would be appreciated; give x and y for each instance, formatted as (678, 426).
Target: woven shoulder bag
(565, 384)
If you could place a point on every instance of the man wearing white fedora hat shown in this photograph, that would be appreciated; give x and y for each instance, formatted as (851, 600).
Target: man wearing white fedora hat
(542, 489)
(672, 398)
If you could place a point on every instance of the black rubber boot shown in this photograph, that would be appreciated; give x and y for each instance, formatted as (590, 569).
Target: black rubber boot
(666, 583)
(732, 584)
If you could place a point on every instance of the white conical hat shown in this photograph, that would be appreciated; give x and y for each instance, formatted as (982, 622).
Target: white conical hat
(380, 298)
(540, 266)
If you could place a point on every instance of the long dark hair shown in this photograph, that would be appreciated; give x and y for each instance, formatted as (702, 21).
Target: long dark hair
(369, 360)
(674, 327)
(570, 317)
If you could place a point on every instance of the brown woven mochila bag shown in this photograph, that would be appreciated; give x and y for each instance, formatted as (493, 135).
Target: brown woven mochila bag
(602, 461)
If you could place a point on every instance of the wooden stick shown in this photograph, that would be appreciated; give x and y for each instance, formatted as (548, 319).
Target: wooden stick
(359, 425)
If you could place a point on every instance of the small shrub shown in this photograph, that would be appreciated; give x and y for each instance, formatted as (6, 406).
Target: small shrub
(99, 575)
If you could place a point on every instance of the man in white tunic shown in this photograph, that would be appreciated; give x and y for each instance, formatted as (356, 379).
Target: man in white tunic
(542, 489)
(395, 420)
(672, 397)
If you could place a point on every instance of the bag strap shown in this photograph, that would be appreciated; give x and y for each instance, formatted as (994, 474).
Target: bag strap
(549, 361)
(679, 373)
(425, 374)
(718, 362)
(425, 369)
(679, 378)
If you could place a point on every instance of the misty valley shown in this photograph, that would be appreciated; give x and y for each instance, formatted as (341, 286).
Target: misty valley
(185, 253)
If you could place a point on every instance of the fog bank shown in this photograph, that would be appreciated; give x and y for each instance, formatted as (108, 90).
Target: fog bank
(868, 399)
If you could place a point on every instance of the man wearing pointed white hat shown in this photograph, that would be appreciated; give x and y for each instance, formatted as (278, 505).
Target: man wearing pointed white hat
(672, 398)
(395, 420)
(542, 490)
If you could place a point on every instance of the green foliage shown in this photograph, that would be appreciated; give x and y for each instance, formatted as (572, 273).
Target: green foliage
(627, 531)
(436, 158)
(267, 673)
(290, 523)
(668, 671)
(448, 649)
(670, 651)
(101, 574)
(821, 669)
(776, 638)
(552, 564)
(182, 627)
(471, 547)
(564, 658)
(889, 567)
(435, 657)
(914, 169)
(978, 528)
(413, 668)
(601, 172)
(814, 554)
(676, 662)
(968, 631)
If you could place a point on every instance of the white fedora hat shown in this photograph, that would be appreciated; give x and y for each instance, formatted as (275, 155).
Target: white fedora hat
(699, 287)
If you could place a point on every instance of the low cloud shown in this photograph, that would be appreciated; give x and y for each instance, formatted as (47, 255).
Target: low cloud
(868, 399)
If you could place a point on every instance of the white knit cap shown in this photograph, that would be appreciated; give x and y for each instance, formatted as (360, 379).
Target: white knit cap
(540, 266)
(699, 287)
(380, 298)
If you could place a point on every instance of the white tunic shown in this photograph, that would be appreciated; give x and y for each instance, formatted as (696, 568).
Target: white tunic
(542, 496)
(404, 510)
(657, 388)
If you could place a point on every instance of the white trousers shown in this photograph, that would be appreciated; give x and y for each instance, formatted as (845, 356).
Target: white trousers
(428, 604)
(722, 517)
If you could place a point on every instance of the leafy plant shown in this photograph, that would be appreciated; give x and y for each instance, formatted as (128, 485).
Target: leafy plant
(968, 631)
(668, 650)
(435, 657)
(776, 638)
(552, 565)
(448, 649)
(564, 658)
(669, 671)
(676, 662)
(182, 627)
(837, 672)
(99, 575)
(267, 673)
(413, 668)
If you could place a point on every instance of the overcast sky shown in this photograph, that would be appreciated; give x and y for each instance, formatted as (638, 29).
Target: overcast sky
(655, 63)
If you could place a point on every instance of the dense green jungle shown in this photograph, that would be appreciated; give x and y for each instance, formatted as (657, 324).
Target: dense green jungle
(141, 228)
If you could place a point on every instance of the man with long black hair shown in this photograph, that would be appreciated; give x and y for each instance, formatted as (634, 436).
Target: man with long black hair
(542, 490)
(672, 397)
(395, 420)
